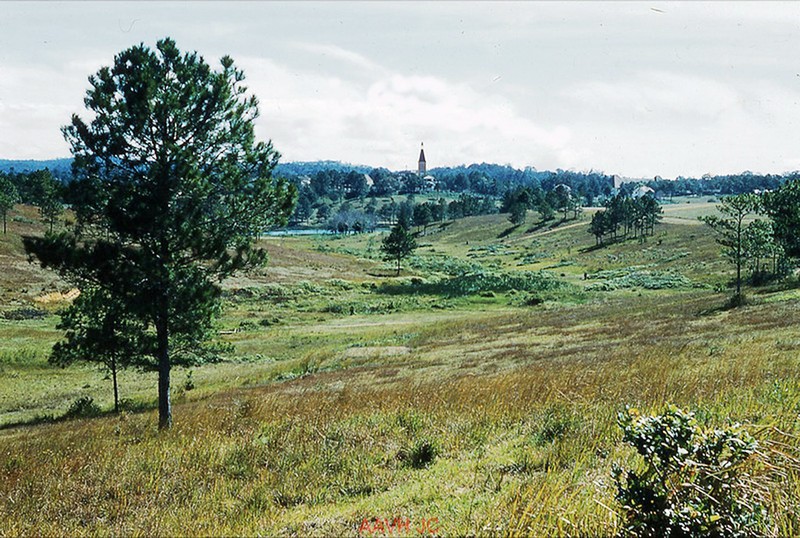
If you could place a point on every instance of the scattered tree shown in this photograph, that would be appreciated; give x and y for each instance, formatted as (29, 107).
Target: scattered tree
(517, 213)
(634, 216)
(546, 211)
(98, 330)
(174, 189)
(50, 196)
(783, 208)
(422, 216)
(730, 229)
(764, 254)
(405, 214)
(398, 245)
(8, 197)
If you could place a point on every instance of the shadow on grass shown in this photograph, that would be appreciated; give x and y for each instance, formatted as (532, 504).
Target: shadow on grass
(126, 406)
(755, 296)
(507, 231)
(592, 248)
(737, 300)
(536, 227)
(386, 274)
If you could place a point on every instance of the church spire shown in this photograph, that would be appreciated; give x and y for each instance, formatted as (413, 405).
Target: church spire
(422, 164)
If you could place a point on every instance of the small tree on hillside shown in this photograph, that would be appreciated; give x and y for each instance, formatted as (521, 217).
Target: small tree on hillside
(8, 197)
(99, 331)
(398, 245)
(174, 189)
(50, 195)
(762, 251)
(730, 228)
(600, 226)
(783, 207)
(422, 216)
(517, 213)
(545, 210)
(405, 214)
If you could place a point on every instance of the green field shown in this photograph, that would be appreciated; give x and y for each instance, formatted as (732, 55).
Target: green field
(475, 393)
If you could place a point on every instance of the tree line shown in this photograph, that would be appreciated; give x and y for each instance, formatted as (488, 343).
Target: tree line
(559, 200)
(759, 233)
(625, 216)
(408, 212)
(39, 188)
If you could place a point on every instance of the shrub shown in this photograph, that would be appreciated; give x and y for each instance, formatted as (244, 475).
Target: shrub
(555, 422)
(631, 278)
(23, 313)
(189, 384)
(736, 301)
(693, 483)
(473, 283)
(419, 455)
(83, 407)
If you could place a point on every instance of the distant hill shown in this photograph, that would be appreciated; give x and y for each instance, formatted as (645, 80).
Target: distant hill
(309, 168)
(59, 167)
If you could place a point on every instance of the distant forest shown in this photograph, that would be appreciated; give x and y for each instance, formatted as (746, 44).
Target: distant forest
(344, 196)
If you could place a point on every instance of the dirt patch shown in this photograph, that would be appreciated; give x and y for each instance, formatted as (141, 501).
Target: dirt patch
(57, 297)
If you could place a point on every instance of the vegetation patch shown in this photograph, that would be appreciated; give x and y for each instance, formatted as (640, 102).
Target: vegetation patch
(474, 283)
(447, 265)
(23, 313)
(694, 483)
(635, 277)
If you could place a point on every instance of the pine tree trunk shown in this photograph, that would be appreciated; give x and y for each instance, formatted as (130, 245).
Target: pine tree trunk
(162, 351)
(116, 388)
(164, 403)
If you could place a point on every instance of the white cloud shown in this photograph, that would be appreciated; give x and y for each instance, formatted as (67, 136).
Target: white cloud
(35, 101)
(677, 124)
(691, 88)
(309, 115)
(335, 52)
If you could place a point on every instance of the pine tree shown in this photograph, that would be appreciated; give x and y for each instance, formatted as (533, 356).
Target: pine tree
(398, 245)
(8, 197)
(172, 189)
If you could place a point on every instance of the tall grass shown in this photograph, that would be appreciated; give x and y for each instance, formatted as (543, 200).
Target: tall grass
(524, 450)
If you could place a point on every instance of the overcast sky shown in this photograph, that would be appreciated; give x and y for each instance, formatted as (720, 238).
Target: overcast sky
(633, 88)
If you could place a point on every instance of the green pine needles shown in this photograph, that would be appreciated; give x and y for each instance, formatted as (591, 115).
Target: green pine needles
(171, 189)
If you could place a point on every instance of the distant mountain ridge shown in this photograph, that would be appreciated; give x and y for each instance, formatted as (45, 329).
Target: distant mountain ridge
(59, 167)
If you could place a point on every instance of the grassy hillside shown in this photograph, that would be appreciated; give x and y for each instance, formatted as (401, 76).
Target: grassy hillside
(477, 392)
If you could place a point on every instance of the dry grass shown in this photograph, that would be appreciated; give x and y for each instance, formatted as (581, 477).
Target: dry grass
(526, 450)
(488, 417)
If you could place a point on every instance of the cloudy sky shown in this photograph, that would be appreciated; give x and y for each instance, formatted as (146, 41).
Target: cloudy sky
(633, 88)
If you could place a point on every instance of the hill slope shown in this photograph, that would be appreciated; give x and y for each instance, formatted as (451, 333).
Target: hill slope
(355, 396)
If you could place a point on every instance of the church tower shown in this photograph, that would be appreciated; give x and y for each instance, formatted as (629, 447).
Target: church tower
(422, 169)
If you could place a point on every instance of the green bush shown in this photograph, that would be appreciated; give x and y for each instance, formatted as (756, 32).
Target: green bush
(650, 280)
(553, 424)
(419, 455)
(694, 481)
(24, 313)
(83, 407)
(476, 282)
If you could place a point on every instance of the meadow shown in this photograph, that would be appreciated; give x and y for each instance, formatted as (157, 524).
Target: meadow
(475, 393)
